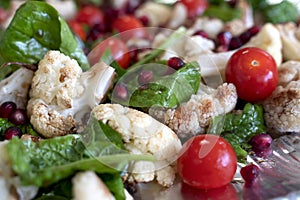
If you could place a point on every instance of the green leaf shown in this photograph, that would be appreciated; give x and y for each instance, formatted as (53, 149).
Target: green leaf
(4, 4)
(223, 12)
(239, 127)
(169, 91)
(49, 161)
(28, 37)
(25, 128)
(282, 12)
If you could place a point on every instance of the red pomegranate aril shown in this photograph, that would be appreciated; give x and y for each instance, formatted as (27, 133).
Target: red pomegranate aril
(235, 43)
(175, 63)
(254, 30)
(144, 19)
(249, 173)
(120, 92)
(232, 3)
(245, 37)
(224, 37)
(11, 132)
(6, 108)
(145, 77)
(261, 141)
(202, 33)
(18, 117)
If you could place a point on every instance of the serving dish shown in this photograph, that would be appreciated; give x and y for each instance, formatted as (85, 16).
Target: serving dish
(278, 179)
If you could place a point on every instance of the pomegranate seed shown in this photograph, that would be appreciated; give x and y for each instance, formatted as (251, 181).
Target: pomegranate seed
(120, 92)
(6, 108)
(245, 37)
(235, 43)
(261, 144)
(18, 117)
(201, 33)
(261, 141)
(12, 132)
(232, 3)
(144, 19)
(224, 37)
(249, 173)
(254, 30)
(145, 77)
(175, 63)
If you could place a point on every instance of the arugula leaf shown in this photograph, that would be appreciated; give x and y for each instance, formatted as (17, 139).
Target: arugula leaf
(28, 37)
(170, 90)
(238, 128)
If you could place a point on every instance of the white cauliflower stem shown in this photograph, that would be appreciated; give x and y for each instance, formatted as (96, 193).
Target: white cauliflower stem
(282, 108)
(142, 134)
(62, 95)
(15, 88)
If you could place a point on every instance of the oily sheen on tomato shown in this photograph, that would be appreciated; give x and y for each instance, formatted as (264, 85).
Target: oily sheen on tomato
(207, 161)
(254, 73)
(117, 48)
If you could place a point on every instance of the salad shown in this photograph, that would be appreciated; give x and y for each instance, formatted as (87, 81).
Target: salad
(99, 96)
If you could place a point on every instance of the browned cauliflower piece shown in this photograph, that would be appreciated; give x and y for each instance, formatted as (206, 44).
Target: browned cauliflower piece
(282, 108)
(194, 116)
(62, 96)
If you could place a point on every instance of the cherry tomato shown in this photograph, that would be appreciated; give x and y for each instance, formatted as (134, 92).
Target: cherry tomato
(129, 22)
(195, 7)
(78, 29)
(207, 161)
(118, 50)
(254, 73)
(90, 15)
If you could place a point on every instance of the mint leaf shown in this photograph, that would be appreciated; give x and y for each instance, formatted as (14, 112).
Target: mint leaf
(35, 29)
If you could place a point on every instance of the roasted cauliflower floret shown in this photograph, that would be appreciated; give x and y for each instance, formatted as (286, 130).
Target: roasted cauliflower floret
(194, 116)
(142, 134)
(15, 88)
(87, 185)
(62, 95)
(290, 36)
(282, 108)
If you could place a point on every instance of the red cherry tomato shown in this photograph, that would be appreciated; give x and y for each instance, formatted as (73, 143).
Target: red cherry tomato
(207, 161)
(90, 15)
(195, 7)
(78, 29)
(129, 22)
(118, 50)
(254, 73)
